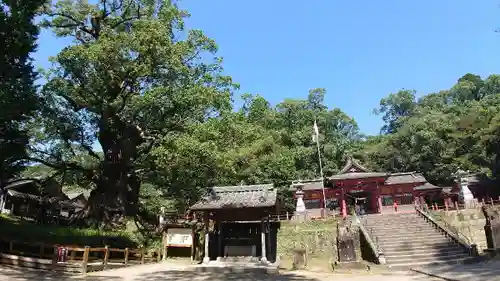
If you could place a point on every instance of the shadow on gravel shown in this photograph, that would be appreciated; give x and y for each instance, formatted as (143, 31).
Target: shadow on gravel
(25, 274)
(202, 276)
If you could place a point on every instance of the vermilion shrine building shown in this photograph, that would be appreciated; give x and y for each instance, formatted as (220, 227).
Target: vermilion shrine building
(373, 191)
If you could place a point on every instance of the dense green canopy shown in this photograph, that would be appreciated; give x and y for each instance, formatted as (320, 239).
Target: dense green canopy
(140, 111)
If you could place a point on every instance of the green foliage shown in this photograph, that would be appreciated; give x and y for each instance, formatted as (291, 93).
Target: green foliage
(18, 100)
(50, 234)
(154, 97)
(258, 144)
(127, 82)
(441, 132)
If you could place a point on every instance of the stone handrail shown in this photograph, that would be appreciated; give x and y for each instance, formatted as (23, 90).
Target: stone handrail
(378, 253)
(450, 231)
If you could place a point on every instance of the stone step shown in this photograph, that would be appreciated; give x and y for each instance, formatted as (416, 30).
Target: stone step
(430, 236)
(427, 254)
(413, 243)
(394, 218)
(404, 265)
(410, 259)
(408, 236)
(420, 248)
(400, 230)
(398, 226)
(402, 223)
(396, 232)
(415, 233)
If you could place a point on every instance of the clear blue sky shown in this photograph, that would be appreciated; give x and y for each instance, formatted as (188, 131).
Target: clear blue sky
(360, 51)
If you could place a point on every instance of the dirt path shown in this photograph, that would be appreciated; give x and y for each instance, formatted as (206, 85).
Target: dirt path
(176, 272)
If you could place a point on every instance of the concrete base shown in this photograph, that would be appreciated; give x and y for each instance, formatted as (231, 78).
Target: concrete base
(206, 260)
(245, 265)
(348, 266)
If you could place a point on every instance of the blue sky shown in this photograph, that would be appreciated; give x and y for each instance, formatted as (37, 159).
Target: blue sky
(360, 51)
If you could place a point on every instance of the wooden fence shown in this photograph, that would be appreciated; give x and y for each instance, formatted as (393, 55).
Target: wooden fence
(74, 259)
(455, 206)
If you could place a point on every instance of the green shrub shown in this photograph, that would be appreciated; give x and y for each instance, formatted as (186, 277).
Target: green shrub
(19, 230)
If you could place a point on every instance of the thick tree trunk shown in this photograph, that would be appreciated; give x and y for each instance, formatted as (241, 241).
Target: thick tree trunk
(117, 191)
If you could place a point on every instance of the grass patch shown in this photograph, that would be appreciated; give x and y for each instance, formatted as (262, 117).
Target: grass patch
(29, 232)
(318, 238)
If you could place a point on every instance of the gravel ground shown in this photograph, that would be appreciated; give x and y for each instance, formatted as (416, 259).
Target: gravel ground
(176, 272)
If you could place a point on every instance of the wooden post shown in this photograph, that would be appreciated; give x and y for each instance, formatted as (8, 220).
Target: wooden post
(164, 243)
(142, 255)
(54, 258)
(106, 257)
(85, 259)
(72, 256)
(11, 246)
(42, 251)
(158, 255)
(126, 256)
(193, 244)
(288, 218)
(446, 205)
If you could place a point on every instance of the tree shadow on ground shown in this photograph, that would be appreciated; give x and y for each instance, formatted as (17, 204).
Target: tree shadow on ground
(183, 275)
(25, 274)
(475, 271)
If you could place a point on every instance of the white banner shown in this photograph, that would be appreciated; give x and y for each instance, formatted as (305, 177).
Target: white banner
(179, 237)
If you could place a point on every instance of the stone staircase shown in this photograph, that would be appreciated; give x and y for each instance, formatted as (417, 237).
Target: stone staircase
(407, 240)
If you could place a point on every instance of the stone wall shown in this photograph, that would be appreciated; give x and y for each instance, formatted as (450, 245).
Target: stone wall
(317, 238)
(469, 222)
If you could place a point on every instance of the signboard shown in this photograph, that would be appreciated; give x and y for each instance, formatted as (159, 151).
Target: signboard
(179, 237)
(316, 195)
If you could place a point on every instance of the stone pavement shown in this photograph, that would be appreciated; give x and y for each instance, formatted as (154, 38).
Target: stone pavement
(485, 271)
(176, 272)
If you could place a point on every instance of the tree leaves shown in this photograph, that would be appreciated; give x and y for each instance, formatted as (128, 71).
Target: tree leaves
(442, 132)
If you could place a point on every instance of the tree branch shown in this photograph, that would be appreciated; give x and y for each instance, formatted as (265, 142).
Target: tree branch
(76, 23)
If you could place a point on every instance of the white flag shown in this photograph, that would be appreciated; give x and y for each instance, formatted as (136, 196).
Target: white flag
(316, 132)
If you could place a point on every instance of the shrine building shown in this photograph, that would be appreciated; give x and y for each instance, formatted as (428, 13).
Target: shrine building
(238, 223)
(374, 192)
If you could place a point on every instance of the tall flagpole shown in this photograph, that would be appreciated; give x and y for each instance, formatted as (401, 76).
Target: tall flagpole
(316, 132)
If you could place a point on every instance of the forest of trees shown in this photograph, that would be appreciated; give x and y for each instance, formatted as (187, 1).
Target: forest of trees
(139, 111)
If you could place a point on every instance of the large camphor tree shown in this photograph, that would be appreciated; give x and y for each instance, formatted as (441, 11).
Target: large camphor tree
(132, 77)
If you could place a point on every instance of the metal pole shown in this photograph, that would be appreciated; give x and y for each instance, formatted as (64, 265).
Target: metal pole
(320, 168)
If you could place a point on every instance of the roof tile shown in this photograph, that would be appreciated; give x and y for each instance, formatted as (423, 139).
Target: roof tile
(232, 197)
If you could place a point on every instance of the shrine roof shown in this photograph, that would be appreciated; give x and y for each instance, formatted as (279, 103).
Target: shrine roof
(408, 177)
(427, 186)
(357, 175)
(307, 184)
(353, 165)
(235, 197)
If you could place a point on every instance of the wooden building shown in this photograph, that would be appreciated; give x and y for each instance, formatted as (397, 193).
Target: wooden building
(237, 222)
(372, 191)
(40, 200)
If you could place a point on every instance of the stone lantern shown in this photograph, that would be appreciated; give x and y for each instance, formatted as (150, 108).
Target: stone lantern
(301, 207)
(465, 196)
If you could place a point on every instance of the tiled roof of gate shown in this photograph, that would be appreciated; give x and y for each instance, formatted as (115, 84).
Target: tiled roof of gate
(348, 176)
(426, 186)
(408, 177)
(307, 184)
(353, 163)
(233, 197)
